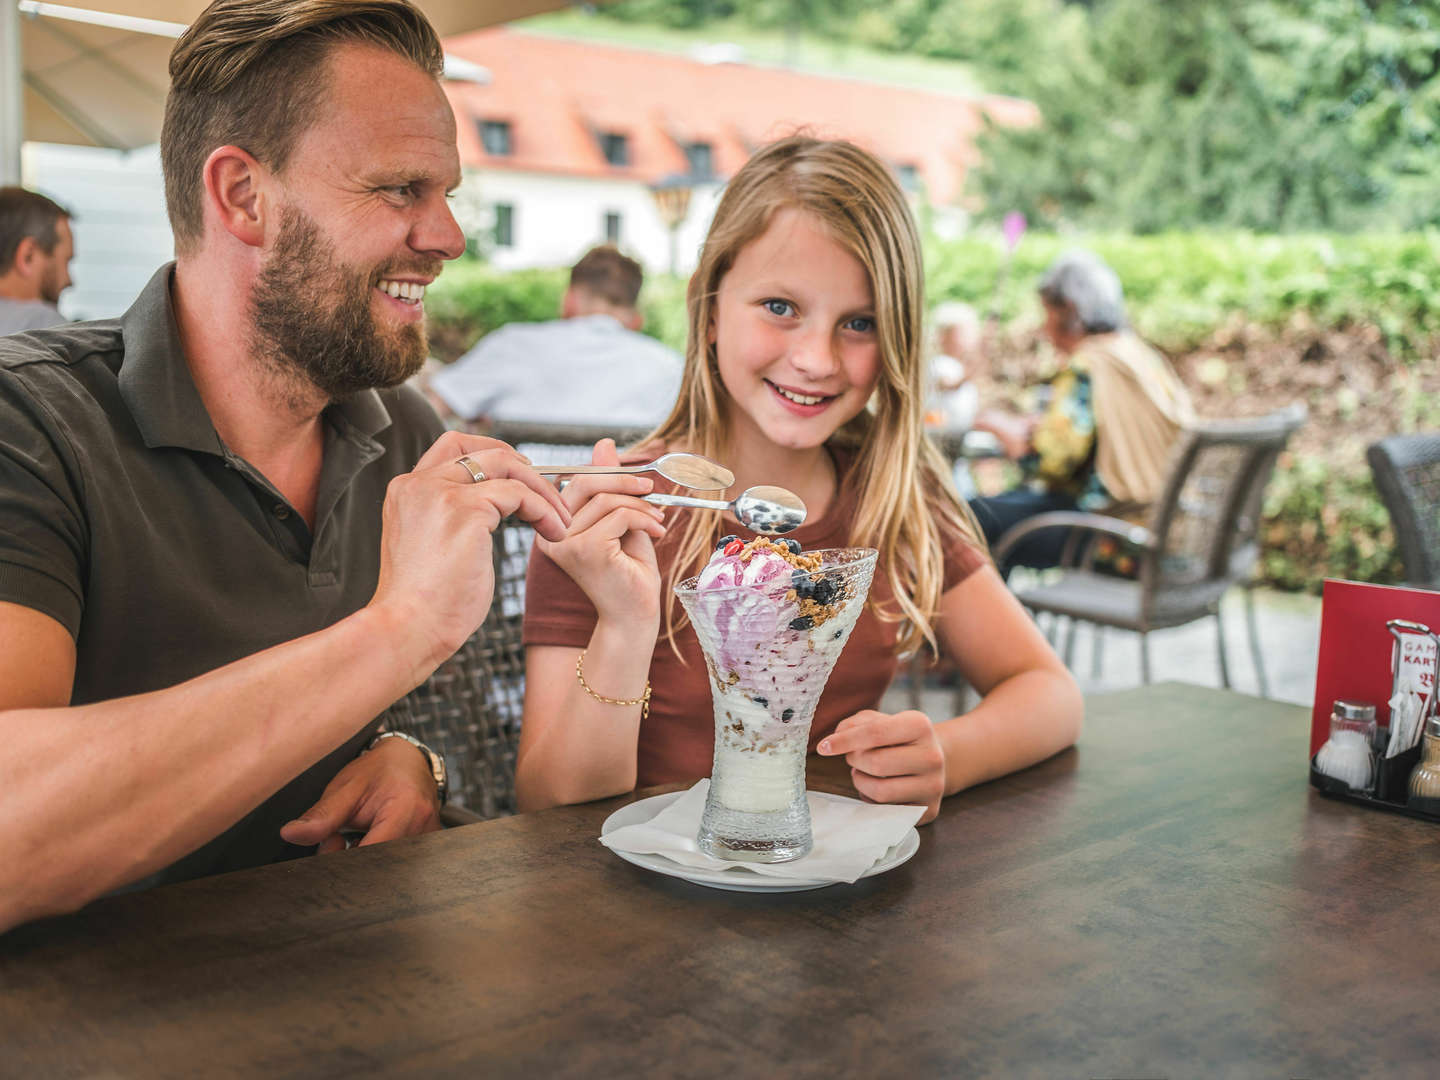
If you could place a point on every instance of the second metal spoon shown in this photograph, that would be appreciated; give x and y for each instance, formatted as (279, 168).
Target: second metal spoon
(763, 509)
(687, 470)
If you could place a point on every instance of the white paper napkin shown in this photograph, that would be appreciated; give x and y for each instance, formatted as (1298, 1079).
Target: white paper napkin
(850, 836)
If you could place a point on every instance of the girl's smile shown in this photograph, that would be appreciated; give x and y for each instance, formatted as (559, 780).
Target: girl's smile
(794, 334)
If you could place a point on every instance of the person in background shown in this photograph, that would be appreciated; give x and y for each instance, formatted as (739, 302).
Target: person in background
(954, 401)
(590, 365)
(1112, 413)
(230, 536)
(36, 246)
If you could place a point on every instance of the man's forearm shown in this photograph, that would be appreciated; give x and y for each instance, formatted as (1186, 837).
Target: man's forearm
(103, 794)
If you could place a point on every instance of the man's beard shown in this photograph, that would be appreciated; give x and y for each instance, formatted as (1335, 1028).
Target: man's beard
(313, 319)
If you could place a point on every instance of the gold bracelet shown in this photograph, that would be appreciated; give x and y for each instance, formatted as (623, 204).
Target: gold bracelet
(643, 700)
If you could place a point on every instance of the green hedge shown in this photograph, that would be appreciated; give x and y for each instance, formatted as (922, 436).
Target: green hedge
(1180, 287)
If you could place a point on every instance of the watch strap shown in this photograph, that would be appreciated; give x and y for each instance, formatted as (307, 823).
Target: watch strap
(436, 762)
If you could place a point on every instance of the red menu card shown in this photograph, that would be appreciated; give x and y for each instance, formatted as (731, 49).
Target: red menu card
(1354, 661)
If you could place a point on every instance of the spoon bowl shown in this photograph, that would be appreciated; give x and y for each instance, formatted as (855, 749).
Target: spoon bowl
(763, 509)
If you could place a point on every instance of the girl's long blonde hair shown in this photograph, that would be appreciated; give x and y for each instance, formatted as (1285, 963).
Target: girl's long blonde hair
(905, 499)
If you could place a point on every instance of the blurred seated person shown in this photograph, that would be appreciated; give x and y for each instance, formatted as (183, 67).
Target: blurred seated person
(952, 405)
(954, 399)
(35, 250)
(1108, 420)
(591, 365)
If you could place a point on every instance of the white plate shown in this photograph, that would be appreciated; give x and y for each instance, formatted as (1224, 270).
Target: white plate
(738, 877)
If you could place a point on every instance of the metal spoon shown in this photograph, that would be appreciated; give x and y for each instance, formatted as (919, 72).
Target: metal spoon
(687, 470)
(762, 509)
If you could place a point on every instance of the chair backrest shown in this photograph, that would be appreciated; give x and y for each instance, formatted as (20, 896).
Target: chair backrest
(1407, 475)
(468, 711)
(1207, 519)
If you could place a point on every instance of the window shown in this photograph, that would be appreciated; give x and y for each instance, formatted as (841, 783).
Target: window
(612, 227)
(909, 176)
(504, 225)
(495, 137)
(700, 159)
(615, 147)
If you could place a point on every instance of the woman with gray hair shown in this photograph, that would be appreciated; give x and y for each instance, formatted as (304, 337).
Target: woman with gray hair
(1112, 413)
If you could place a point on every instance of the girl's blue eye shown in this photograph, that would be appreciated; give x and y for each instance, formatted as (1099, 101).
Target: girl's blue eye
(861, 325)
(781, 308)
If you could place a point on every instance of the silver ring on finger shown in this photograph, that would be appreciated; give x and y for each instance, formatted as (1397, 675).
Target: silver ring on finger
(476, 475)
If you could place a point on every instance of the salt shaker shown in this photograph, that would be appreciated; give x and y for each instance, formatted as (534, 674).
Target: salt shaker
(1424, 792)
(1347, 755)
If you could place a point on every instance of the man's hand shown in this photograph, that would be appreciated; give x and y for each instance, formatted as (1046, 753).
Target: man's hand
(387, 792)
(436, 574)
(893, 758)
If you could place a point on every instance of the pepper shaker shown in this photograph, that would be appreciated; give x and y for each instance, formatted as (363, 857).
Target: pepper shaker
(1424, 788)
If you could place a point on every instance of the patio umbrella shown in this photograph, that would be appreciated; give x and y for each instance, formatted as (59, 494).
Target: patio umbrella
(96, 76)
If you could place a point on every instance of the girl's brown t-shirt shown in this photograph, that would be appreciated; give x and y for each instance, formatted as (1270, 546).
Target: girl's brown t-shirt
(677, 739)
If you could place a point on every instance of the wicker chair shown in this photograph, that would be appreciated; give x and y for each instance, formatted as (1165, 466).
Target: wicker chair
(1407, 474)
(469, 710)
(1202, 539)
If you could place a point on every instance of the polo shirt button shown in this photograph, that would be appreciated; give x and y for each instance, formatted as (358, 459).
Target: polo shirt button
(282, 511)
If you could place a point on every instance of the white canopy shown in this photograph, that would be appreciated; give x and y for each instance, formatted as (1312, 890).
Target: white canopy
(97, 75)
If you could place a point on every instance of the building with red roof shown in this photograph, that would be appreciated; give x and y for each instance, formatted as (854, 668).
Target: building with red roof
(567, 142)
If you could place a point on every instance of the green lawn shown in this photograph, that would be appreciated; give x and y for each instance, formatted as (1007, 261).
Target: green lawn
(763, 48)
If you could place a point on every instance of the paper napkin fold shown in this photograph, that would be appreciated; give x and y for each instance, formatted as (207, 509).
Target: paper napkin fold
(850, 836)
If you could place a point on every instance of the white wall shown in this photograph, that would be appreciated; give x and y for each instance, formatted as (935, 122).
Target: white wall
(121, 233)
(558, 218)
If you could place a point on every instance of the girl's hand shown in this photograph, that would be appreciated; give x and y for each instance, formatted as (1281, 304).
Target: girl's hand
(893, 758)
(609, 549)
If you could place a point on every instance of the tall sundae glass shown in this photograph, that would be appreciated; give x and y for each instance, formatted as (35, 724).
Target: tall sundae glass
(771, 622)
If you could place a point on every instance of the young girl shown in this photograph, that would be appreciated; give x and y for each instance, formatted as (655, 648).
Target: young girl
(804, 368)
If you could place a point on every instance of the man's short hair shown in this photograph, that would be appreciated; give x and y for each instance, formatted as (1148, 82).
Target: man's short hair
(27, 213)
(605, 273)
(253, 74)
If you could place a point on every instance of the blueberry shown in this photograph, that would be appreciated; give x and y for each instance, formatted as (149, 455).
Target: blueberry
(801, 583)
(793, 545)
(804, 622)
(762, 702)
(787, 716)
(726, 539)
(825, 591)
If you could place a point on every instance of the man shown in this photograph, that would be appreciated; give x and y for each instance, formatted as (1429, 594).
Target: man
(199, 611)
(35, 251)
(591, 362)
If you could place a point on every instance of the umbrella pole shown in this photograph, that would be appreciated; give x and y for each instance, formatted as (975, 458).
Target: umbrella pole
(12, 93)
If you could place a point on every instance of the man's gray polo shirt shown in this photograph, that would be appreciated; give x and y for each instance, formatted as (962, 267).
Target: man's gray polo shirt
(124, 517)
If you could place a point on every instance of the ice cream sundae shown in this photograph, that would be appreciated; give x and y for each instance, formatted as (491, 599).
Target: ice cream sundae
(771, 619)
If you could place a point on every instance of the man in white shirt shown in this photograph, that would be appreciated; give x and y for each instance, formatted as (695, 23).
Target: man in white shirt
(35, 250)
(590, 366)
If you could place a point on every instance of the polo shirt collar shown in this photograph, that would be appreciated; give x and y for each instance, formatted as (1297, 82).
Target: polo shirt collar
(157, 388)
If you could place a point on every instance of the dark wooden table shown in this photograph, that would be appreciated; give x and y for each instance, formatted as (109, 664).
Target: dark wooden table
(1170, 899)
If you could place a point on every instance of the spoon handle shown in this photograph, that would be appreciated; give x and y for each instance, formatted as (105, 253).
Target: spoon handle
(687, 500)
(577, 470)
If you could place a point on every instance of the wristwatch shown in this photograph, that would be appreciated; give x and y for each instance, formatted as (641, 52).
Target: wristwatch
(437, 763)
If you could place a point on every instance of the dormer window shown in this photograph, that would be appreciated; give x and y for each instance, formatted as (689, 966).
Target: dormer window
(616, 148)
(495, 137)
(700, 159)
